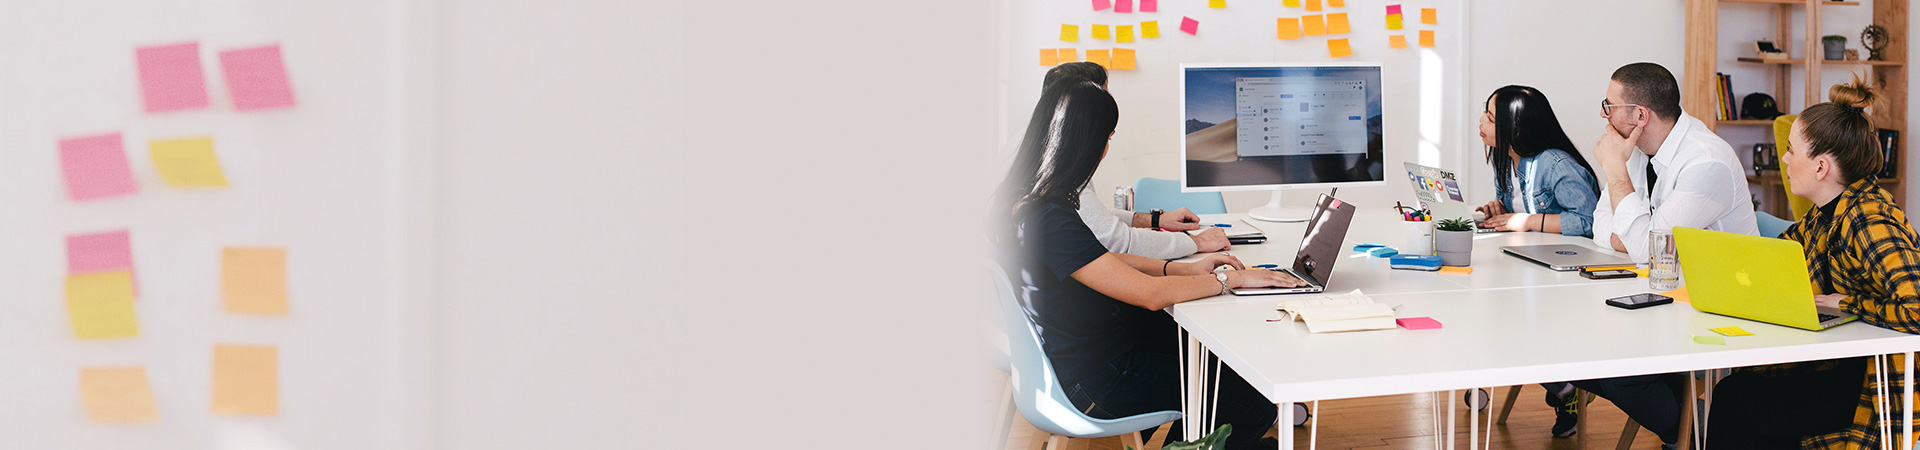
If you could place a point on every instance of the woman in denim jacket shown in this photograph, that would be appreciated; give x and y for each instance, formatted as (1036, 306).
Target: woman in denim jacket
(1544, 183)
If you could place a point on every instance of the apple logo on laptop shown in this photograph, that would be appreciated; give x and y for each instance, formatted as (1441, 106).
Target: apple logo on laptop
(1742, 277)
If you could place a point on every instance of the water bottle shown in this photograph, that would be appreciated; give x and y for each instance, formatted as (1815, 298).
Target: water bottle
(1663, 264)
(1123, 198)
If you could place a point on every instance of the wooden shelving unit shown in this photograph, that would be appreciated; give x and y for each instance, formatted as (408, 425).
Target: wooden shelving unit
(1700, 92)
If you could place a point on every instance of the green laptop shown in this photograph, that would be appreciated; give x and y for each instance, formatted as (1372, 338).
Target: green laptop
(1753, 278)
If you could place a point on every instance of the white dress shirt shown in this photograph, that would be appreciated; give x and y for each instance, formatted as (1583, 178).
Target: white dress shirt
(1700, 184)
(1115, 230)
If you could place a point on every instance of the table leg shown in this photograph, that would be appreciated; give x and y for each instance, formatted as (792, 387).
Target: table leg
(1473, 422)
(1450, 425)
(1284, 425)
(1907, 415)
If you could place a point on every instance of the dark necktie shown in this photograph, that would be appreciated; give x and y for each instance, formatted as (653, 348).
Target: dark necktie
(1651, 178)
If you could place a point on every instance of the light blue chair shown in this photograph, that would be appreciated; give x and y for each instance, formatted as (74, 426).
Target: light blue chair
(1037, 393)
(1154, 193)
(1771, 226)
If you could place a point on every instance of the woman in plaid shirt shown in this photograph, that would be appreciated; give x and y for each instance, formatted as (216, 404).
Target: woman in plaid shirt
(1862, 255)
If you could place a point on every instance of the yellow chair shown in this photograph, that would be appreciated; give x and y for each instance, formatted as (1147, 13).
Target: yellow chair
(1782, 126)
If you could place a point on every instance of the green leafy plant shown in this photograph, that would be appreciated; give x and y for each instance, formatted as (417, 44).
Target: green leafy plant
(1833, 37)
(1212, 441)
(1456, 224)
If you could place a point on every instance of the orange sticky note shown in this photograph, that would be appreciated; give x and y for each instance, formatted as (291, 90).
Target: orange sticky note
(1100, 57)
(1123, 59)
(1337, 3)
(254, 280)
(1123, 33)
(246, 380)
(1315, 25)
(1313, 5)
(1070, 33)
(1426, 38)
(1393, 22)
(1679, 295)
(117, 395)
(1049, 57)
(1456, 270)
(1337, 24)
(1429, 16)
(1397, 41)
(1068, 55)
(1289, 28)
(1099, 31)
(1150, 29)
(1339, 48)
(1216, 4)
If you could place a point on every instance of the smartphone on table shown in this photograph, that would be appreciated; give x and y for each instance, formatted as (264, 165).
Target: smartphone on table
(1637, 301)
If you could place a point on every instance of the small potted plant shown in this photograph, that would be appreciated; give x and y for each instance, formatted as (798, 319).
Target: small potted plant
(1453, 241)
(1835, 46)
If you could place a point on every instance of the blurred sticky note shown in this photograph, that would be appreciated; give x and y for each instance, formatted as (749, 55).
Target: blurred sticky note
(1418, 323)
(1100, 32)
(1049, 57)
(1150, 29)
(1068, 55)
(246, 380)
(1426, 38)
(1123, 33)
(257, 78)
(1397, 41)
(253, 280)
(171, 77)
(1730, 331)
(1641, 271)
(1313, 5)
(1393, 10)
(1123, 59)
(1429, 16)
(1336, 3)
(95, 167)
(188, 162)
(1216, 4)
(97, 252)
(1456, 270)
(1149, 5)
(1070, 33)
(1314, 25)
(1189, 26)
(1123, 6)
(1289, 28)
(117, 395)
(100, 305)
(1101, 4)
(1100, 57)
(1710, 340)
(1290, 3)
(1337, 24)
(1393, 22)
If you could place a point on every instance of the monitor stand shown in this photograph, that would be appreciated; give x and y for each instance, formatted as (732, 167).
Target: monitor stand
(1273, 213)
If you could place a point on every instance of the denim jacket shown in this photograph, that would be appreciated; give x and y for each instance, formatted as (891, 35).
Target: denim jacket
(1552, 183)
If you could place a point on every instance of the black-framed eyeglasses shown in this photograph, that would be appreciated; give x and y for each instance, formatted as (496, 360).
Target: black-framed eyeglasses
(1606, 109)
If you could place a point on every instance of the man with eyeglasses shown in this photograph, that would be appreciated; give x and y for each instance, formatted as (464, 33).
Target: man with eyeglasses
(1682, 175)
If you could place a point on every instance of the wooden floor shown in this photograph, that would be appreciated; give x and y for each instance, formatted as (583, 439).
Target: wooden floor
(1404, 422)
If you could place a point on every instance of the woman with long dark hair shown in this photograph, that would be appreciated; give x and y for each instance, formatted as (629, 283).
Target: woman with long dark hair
(1544, 183)
(1091, 306)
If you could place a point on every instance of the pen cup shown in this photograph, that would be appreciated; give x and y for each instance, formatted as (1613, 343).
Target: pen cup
(1419, 239)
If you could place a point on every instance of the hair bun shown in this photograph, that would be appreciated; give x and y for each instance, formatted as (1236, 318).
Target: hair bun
(1856, 94)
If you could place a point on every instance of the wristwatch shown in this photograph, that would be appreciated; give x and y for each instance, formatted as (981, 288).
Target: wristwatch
(1222, 276)
(1156, 217)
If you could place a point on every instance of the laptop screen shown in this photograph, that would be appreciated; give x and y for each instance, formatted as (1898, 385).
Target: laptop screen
(1326, 231)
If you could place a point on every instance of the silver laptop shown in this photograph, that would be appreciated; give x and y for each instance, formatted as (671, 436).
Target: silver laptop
(1319, 249)
(1565, 257)
(1439, 191)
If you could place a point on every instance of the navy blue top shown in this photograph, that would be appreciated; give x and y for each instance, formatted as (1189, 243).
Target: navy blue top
(1080, 328)
(1553, 183)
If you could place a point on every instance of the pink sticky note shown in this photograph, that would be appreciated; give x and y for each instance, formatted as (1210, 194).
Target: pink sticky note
(95, 167)
(1123, 6)
(1418, 323)
(1393, 9)
(257, 77)
(111, 250)
(1189, 25)
(1149, 5)
(171, 77)
(1102, 4)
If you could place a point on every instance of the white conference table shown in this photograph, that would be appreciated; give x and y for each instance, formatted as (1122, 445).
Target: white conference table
(1509, 322)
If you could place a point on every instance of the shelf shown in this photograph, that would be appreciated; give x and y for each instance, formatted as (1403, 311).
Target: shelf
(1747, 122)
(1858, 62)
(1766, 177)
(1789, 2)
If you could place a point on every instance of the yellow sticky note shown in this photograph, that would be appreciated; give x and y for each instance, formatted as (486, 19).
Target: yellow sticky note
(117, 395)
(254, 280)
(1290, 3)
(1049, 57)
(1456, 270)
(1426, 38)
(1068, 55)
(1641, 271)
(1393, 22)
(1100, 57)
(1397, 41)
(1337, 3)
(1730, 331)
(246, 380)
(1313, 5)
(1100, 32)
(1123, 59)
(1429, 16)
(1337, 24)
(1123, 33)
(1070, 33)
(1289, 28)
(1315, 25)
(100, 304)
(1216, 3)
(1150, 29)
(188, 162)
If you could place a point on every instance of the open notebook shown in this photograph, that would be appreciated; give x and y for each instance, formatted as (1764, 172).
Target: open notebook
(1352, 311)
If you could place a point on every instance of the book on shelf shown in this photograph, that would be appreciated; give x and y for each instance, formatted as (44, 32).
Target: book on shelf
(1352, 311)
(1889, 152)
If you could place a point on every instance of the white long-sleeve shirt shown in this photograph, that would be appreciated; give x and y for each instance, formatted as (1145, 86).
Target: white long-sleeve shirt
(1701, 185)
(1115, 230)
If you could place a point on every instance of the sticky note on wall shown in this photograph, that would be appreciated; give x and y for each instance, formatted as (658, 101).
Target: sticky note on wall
(1100, 32)
(1337, 3)
(1313, 5)
(1429, 16)
(1393, 10)
(1100, 57)
(1289, 28)
(1150, 29)
(99, 252)
(1397, 41)
(1189, 26)
(100, 305)
(1149, 5)
(1393, 22)
(95, 167)
(1426, 38)
(117, 395)
(257, 78)
(1123, 6)
(1216, 3)
(1101, 4)
(1123, 33)
(1339, 48)
(1068, 55)
(253, 280)
(1337, 24)
(171, 78)
(188, 162)
(1290, 3)
(1123, 59)
(1049, 57)
(1314, 25)
(1070, 33)
(246, 380)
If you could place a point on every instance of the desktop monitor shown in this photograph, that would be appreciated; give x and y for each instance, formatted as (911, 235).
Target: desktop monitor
(1280, 126)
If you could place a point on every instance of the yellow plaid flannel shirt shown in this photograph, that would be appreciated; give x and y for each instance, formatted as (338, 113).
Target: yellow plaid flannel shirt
(1864, 248)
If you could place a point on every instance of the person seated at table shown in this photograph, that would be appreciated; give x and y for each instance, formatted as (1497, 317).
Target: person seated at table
(1861, 254)
(1131, 232)
(1076, 291)
(1544, 184)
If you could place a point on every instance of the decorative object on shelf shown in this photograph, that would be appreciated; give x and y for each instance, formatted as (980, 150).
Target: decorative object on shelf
(1874, 38)
(1765, 158)
(1758, 106)
(1453, 240)
(1853, 55)
(1890, 150)
(1834, 46)
(1768, 50)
